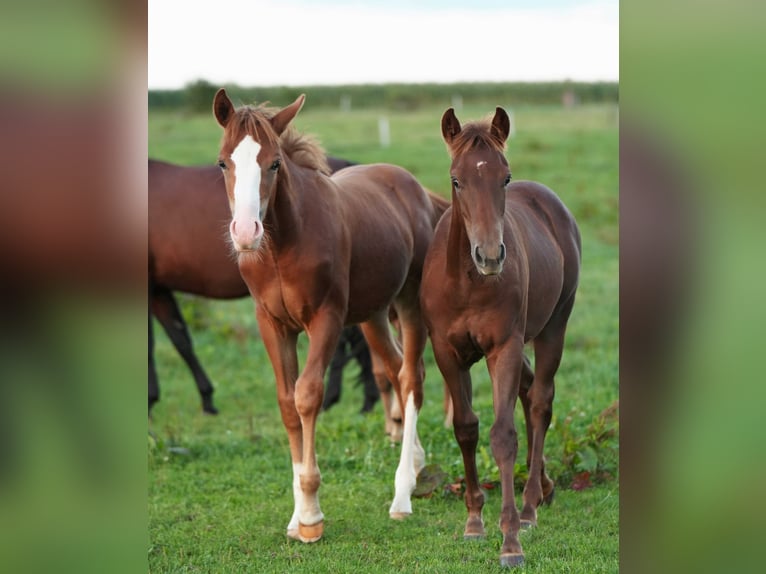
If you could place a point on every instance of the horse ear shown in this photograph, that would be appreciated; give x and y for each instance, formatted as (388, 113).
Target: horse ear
(501, 124)
(222, 107)
(450, 126)
(283, 117)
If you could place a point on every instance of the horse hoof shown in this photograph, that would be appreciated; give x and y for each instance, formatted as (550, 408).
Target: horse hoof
(474, 529)
(474, 536)
(549, 497)
(399, 515)
(210, 410)
(526, 524)
(310, 533)
(511, 560)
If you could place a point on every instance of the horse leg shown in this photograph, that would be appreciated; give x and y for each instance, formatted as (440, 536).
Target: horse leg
(323, 333)
(527, 376)
(383, 348)
(361, 352)
(335, 374)
(505, 367)
(410, 377)
(280, 345)
(465, 425)
(448, 408)
(393, 426)
(549, 347)
(154, 387)
(371, 393)
(167, 312)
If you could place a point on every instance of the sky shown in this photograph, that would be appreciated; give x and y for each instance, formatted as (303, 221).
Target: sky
(327, 42)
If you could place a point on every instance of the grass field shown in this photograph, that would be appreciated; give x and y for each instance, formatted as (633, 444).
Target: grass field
(220, 487)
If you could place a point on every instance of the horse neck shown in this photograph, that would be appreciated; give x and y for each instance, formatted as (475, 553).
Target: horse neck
(286, 211)
(458, 245)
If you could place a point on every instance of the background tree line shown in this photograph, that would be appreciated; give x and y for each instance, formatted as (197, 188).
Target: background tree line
(197, 96)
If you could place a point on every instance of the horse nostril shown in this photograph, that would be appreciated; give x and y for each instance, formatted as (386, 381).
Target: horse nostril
(501, 257)
(478, 256)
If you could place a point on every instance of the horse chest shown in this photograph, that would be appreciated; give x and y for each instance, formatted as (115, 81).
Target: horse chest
(291, 298)
(474, 336)
(478, 317)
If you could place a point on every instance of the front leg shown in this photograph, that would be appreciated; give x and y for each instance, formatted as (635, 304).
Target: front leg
(280, 343)
(505, 367)
(323, 333)
(465, 425)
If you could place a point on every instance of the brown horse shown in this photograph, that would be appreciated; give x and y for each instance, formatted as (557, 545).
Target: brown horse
(318, 252)
(502, 271)
(189, 252)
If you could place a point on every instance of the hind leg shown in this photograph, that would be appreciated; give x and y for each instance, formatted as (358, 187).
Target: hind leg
(154, 387)
(549, 346)
(527, 377)
(391, 410)
(407, 380)
(335, 373)
(361, 352)
(167, 312)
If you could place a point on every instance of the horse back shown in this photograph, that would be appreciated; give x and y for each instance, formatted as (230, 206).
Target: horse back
(390, 217)
(188, 217)
(385, 199)
(552, 246)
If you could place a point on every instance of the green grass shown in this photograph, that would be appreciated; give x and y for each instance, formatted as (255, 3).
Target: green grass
(221, 503)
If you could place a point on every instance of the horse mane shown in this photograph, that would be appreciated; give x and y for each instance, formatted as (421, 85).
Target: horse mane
(477, 134)
(303, 149)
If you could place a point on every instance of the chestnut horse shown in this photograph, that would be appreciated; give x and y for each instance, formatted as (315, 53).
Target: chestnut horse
(189, 252)
(501, 271)
(318, 252)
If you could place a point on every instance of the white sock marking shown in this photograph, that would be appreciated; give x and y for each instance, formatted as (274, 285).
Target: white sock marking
(406, 473)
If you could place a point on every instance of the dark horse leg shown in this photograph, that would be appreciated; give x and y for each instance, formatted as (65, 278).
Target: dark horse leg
(351, 345)
(361, 352)
(335, 372)
(549, 346)
(166, 310)
(154, 387)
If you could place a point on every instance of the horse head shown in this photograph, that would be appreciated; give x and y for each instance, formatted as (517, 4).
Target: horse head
(250, 158)
(480, 175)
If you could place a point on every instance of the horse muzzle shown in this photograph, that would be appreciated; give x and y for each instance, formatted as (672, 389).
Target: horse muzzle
(489, 263)
(246, 234)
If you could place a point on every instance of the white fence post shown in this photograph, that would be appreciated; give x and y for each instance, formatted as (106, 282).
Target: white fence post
(384, 131)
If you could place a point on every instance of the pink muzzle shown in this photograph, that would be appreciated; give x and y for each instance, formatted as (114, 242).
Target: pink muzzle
(246, 233)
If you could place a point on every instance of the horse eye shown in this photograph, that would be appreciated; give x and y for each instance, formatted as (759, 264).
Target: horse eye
(275, 165)
(507, 180)
(455, 183)
(221, 164)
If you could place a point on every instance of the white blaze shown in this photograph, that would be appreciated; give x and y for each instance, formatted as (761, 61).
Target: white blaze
(247, 196)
